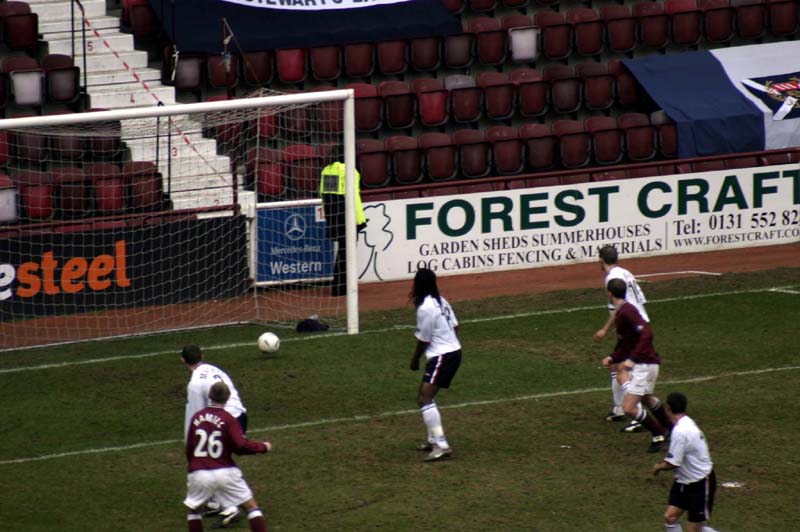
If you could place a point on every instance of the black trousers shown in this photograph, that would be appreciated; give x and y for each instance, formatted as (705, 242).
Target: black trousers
(333, 208)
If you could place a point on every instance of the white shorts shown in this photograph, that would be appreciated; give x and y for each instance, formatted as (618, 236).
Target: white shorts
(643, 379)
(227, 485)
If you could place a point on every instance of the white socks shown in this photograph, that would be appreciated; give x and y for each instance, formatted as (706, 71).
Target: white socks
(433, 422)
(617, 394)
(673, 528)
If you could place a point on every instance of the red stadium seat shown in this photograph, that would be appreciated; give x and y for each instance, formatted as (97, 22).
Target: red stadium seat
(565, 88)
(36, 194)
(373, 163)
(455, 7)
(541, 146)
(302, 166)
(330, 114)
(291, 65)
(640, 136)
(223, 72)
(667, 133)
(257, 68)
(620, 28)
(325, 62)
(490, 40)
(72, 193)
(653, 24)
(751, 18)
(186, 75)
(265, 171)
(441, 156)
(587, 28)
(26, 81)
(458, 50)
(474, 152)
(598, 85)
(108, 186)
(782, 17)
(465, 98)
(359, 60)
(398, 103)
(627, 86)
(144, 22)
(20, 26)
(392, 57)
(368, 107)
(29, 148)
(606, 139)
(533, 93)
(145, 185)
(482, 6)
(406, 159)
(296, 121)
(686, 21)
(432, 101)
(498, 95)
(718, 17)
(574, 143)
(556, 34)
(523, 38)
(506, 149)
(426, 54)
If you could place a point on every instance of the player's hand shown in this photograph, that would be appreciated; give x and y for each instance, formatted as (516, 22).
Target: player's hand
(599, 335)
(607, 362)
(269, 446)
(656, 469)
(414, 366)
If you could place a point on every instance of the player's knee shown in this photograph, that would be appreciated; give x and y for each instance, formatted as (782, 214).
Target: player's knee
(670, 518)
(630, 410)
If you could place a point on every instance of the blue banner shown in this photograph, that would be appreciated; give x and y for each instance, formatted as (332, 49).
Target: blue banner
(292, 245)
(258, 25)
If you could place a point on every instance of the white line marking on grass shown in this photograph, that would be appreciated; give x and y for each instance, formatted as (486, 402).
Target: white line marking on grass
(384, 415)
(785, 291)
(55, 365)
(694, 272)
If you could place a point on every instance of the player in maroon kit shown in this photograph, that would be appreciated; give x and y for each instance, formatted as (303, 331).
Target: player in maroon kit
(213, 436)
(639, 362)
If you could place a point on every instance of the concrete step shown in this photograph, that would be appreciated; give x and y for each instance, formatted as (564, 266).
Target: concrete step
(121, 42)
(50, 11)
(61, 29)
(148, 75)
(191, 166)
(130, 95)
(195, 183)
(104, 62)
(245, 197)
(144, 148)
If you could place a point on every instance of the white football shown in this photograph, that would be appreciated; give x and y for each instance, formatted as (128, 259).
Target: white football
(268, 342)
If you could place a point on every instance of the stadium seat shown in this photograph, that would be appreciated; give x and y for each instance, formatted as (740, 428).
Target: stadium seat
(264, 170)
(587, 30)
(257, 68)
(465, 98)
(222, 72)
(620, 28)
(106, 143)
(640, 136)
(667, 133)
(291, 65)
(769, 159)
(482, 6)
(4, 152)
(186, 75)
(144, 184)
(108, 186)
(264, 126)
(455, 7)
(565, 88)
(653, 24)
(782, 17)
(72, 194)
(368, 107)
(517, 4)
(540, 146)
(574, 143)
(29, 148)
(523, 38)
(302, 166)
(373, 163)
(606, 139)
(35, 194)
(426, 54)
(751, 18)
(458, 50)
(685, 20)
(62, 79)
(432, 101)
(744, 161)
(399, 105)
(296, 121)
(26, 80)
(441, 156)
(627, 87)
(556, 34)
(473, 152)
(490, 40)
(228, 134)
(8, 205)
(598, 85)
(406, 159)
(330, 114)
(392, 57)
(718, 17)
(325, 63)
(498, 95)
(359, 60)
(144, 22)
(20, 27)
(533, 93)
(507, 152)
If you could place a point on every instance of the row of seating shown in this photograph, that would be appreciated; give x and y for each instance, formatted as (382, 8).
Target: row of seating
(27, 83)
(95, 190)
(27, 148)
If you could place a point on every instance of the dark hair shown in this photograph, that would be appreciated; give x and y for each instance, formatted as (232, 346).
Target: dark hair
(608, 254)
(677, 402)
(191, 354)
(424, 285)
(219, 392)
(617, 287)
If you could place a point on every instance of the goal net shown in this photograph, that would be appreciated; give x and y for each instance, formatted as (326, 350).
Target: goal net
(144, 220)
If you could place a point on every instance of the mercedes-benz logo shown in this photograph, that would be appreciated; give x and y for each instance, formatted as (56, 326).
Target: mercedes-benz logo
(295, 227)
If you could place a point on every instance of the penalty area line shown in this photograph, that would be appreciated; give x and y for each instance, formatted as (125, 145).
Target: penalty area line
(385, 415)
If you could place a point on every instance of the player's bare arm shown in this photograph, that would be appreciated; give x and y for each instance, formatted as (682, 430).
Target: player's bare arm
(418, 352)
(599, 335)
(663, 466)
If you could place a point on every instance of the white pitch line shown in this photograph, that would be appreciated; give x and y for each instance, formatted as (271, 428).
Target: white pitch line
(535, 313)
(384, 415)
(694, 272)
(785, 291)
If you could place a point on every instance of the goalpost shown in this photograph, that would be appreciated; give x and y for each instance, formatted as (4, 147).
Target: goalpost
(144, 220)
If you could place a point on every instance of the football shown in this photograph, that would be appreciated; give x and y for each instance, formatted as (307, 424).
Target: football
(268, 342)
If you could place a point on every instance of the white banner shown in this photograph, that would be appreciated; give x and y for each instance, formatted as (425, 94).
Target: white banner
(313, 5)
(514, 229)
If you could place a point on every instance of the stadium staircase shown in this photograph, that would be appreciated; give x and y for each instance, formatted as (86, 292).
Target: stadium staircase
(110, 85)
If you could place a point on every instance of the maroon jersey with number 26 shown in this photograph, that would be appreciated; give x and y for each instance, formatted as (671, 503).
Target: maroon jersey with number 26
(213, 437)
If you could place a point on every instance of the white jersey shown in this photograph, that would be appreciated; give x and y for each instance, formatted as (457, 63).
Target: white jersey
(203, 376)
(633, 294)
(436, 325)
(688, 451)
